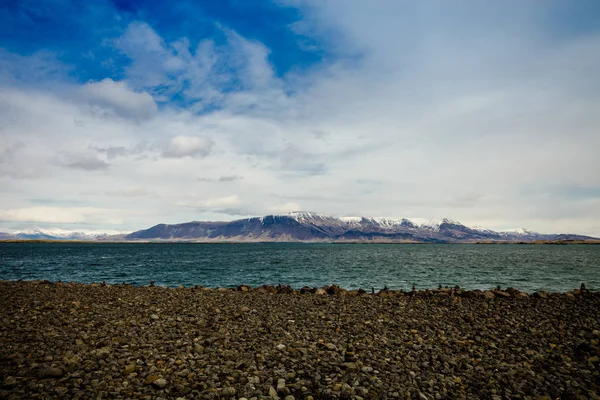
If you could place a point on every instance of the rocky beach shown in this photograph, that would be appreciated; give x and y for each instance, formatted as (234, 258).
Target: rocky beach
(70, 340)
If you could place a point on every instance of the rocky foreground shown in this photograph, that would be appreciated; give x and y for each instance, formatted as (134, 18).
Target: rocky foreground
(67, 340)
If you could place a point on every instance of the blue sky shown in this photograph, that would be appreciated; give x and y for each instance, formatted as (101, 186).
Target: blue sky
(118, 115)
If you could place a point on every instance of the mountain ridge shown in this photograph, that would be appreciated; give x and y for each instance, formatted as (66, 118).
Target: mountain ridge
(303, 226)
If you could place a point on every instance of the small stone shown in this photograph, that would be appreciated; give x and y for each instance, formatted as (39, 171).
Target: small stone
(160, 383)
(244, 309)
(320, 291)
(228, 391)
(422, 396)
(488, 295)
(350, 366)
(273, 393)
(150, 379)
(280, 385)
(290, 397)
(330, 346)
(280, 346)
(154, 316)
(129, 369)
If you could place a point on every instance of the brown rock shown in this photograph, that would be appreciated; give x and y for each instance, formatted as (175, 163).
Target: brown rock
(489, 295)
(501, 294)
(129, 369)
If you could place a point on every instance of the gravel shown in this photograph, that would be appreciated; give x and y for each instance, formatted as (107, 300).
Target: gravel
(68, 340)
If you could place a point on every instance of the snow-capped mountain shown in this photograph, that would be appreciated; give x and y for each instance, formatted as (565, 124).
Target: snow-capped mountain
(61, 234)
(305, 226)
(310, 226)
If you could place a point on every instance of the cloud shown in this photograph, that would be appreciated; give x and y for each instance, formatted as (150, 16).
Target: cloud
(118, 98)
(41, 68)
(59, 215)
(113, 152)
(222, 201)
(407, 109)
(285, 208)
(133, 191)
(82, 161)
(225, 178)
(235, 74)
(12, 165)
(214, 204)
(187, 146)
(229, 178)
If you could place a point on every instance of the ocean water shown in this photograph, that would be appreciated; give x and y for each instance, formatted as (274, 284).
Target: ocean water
(397, 266)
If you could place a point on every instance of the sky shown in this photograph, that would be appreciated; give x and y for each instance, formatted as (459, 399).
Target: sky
(119, 115)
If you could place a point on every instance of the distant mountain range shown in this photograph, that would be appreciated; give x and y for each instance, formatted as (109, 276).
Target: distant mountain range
(304, 226)
(58, 234)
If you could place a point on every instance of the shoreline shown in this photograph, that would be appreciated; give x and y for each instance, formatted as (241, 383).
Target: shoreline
(455, 291)
(70, 340)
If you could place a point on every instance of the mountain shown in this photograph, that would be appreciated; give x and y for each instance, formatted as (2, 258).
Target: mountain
(59, 234)
(303, 226)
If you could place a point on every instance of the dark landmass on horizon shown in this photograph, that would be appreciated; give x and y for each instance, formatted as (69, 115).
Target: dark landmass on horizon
(318, 228)
(100, 241)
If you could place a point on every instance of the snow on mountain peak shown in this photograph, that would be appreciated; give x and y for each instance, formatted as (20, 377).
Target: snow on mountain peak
(60, 233)
(435, 223)
(518, 232)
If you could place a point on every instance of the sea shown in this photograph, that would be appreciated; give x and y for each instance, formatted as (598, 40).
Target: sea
(557, 268)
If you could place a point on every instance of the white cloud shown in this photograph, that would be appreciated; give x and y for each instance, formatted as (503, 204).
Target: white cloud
(213, 203)
(285, 208)
(223, 201)
(422, 110)
(118, 98)
(82, 161)
(59, 215)
(188, 146)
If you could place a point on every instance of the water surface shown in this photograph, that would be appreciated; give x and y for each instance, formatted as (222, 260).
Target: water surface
(527, 267)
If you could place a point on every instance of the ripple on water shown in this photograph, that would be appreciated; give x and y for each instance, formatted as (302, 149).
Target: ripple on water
(555, 268)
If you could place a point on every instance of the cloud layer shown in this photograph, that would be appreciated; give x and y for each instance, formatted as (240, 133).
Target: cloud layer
(485, 113)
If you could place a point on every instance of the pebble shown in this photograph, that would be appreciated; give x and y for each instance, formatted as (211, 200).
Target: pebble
(160, 383)
(228, 391)
(280, 385)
